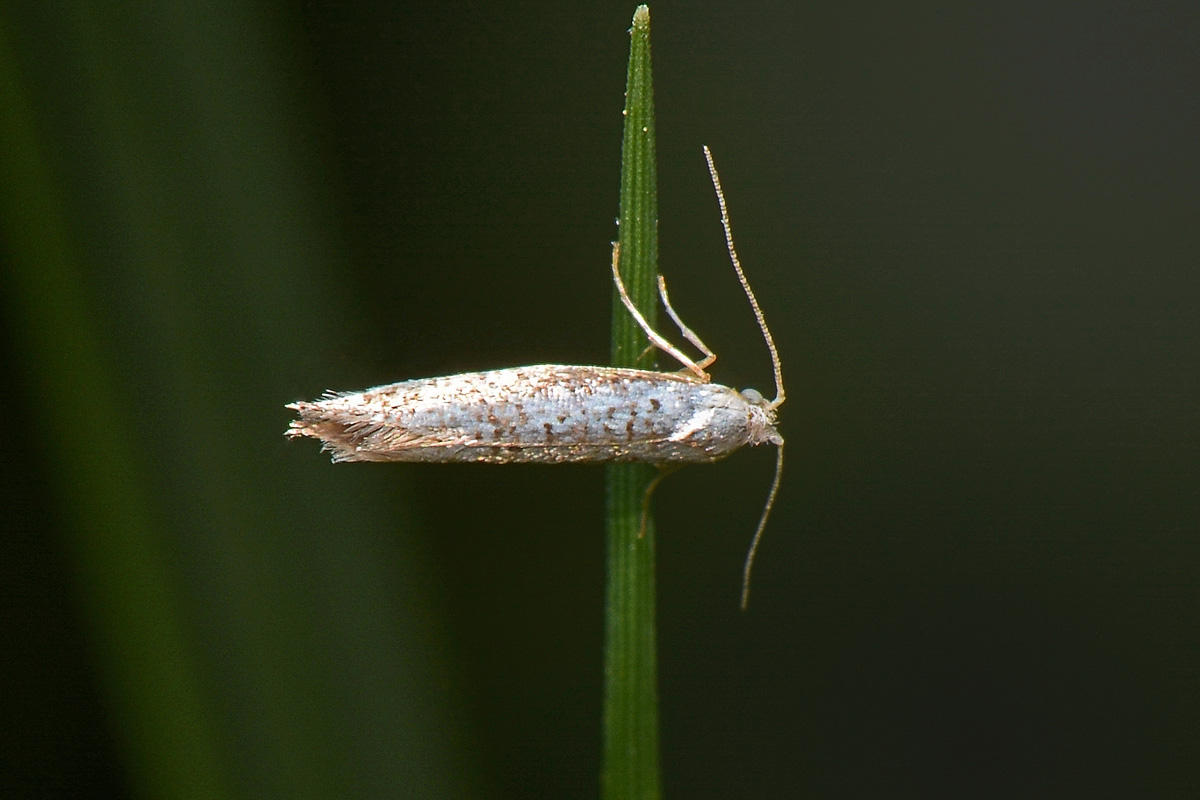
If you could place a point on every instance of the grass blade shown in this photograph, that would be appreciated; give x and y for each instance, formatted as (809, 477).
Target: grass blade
(630, 667)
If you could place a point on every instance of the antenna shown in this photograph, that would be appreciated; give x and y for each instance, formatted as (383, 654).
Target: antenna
(762, 523)
(737, 265)
(779, 395)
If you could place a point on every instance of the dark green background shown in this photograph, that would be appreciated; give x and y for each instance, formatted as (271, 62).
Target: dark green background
(973, 228)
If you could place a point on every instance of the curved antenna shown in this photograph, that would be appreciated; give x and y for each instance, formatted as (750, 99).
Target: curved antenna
(762, 323)
(762, 523)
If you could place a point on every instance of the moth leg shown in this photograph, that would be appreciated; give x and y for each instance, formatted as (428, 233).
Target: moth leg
(688, 333)
(663, 471)
(655, 338)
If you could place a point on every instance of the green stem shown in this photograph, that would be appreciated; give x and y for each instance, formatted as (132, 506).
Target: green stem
(630, 660)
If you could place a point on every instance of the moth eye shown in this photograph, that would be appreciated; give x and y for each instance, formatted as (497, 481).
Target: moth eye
(752, 396)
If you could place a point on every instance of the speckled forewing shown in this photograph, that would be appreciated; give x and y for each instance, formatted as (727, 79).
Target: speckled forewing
(546, 413)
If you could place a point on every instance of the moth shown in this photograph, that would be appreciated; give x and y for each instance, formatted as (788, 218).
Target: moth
(555, 413)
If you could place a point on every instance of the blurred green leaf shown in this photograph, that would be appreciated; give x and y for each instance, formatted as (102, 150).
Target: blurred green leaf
(261, 618)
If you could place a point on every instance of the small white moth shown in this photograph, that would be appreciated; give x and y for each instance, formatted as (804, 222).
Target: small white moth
(555, 414)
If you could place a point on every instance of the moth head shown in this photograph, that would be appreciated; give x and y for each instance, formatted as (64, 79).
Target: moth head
(762, 418)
